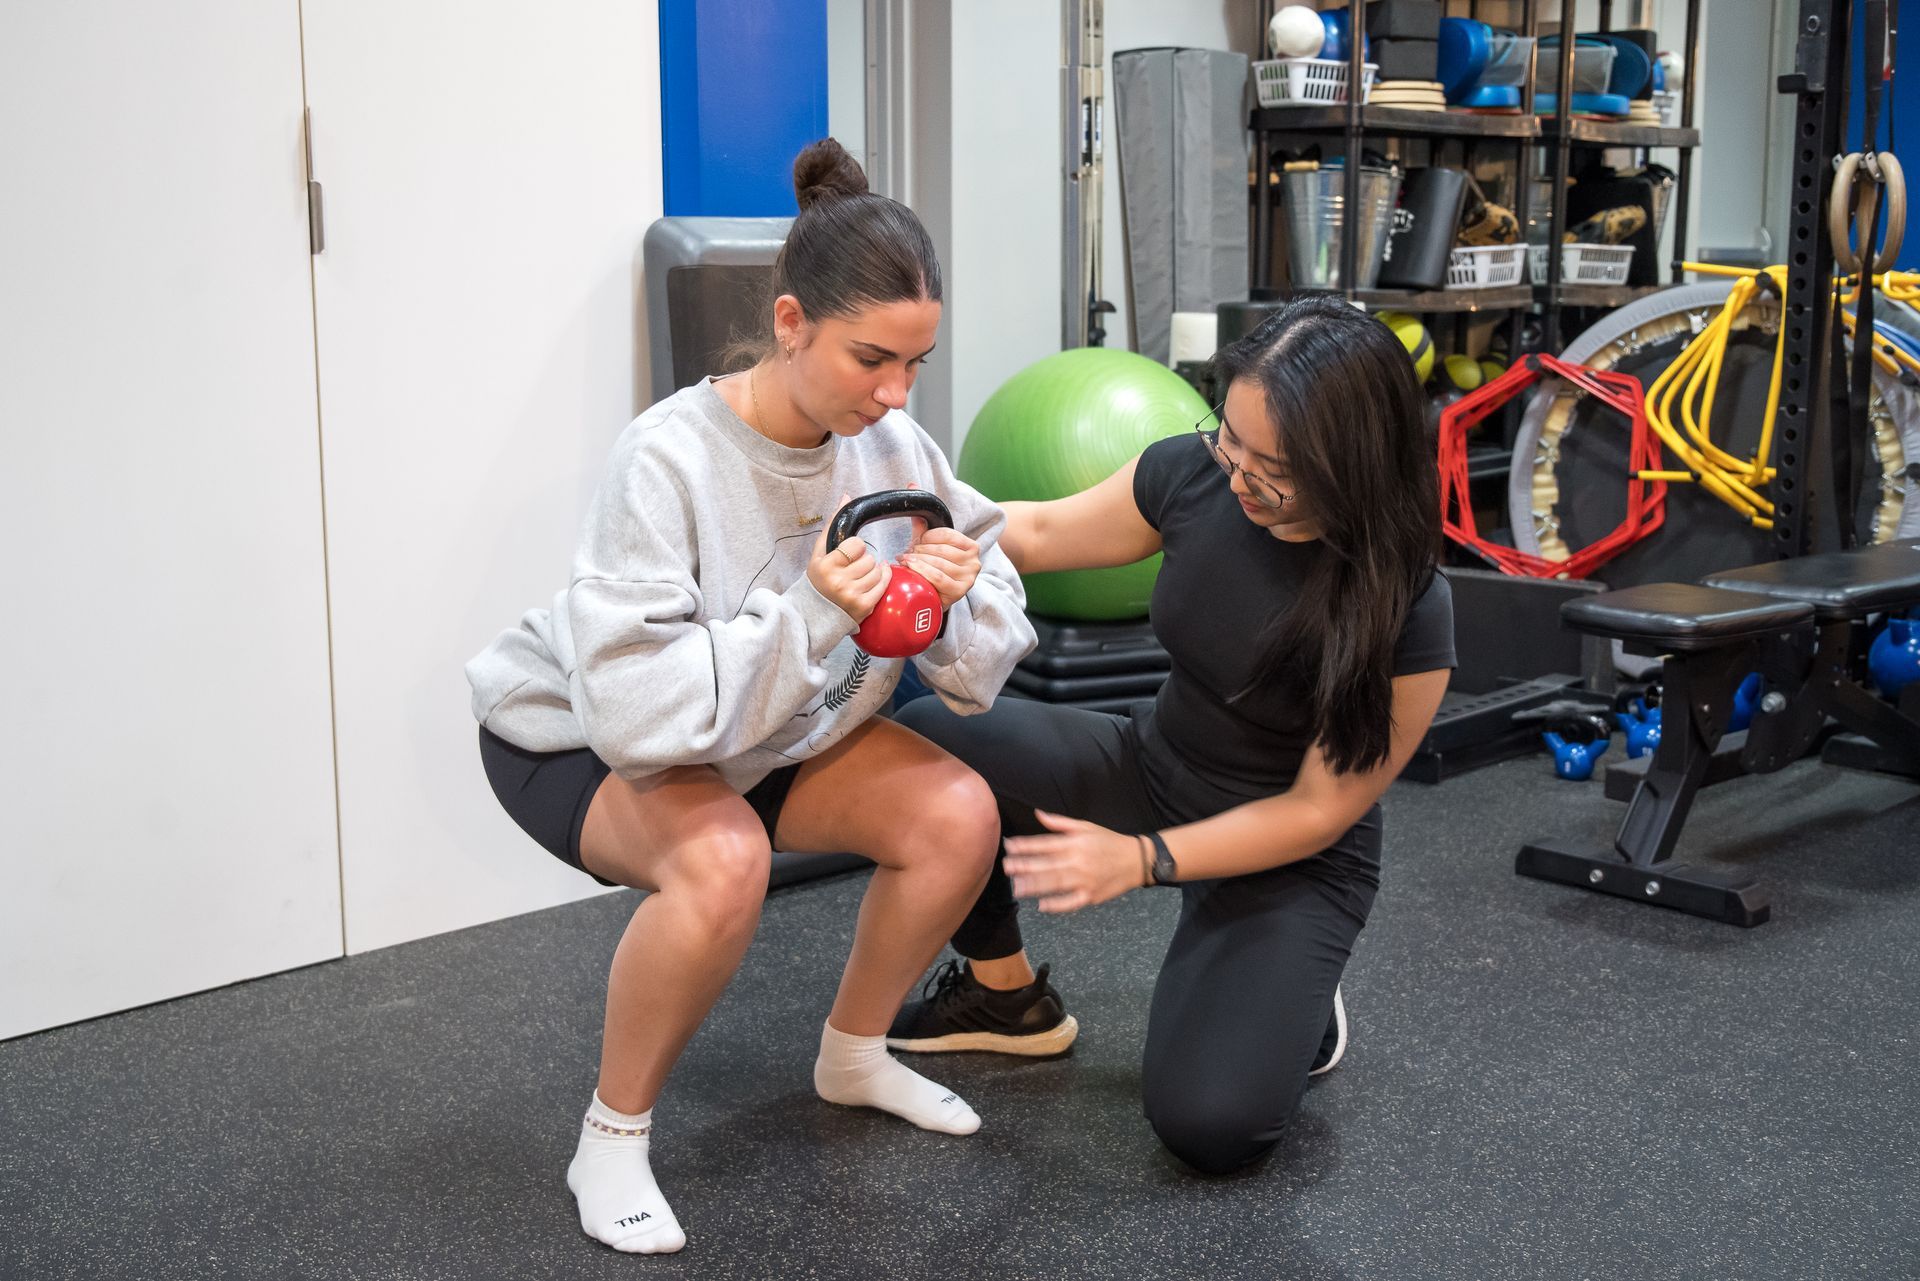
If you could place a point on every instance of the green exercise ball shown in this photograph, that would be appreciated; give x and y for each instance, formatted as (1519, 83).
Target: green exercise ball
(1064, 424)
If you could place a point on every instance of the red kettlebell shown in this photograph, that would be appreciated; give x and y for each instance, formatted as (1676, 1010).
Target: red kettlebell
(908, 617)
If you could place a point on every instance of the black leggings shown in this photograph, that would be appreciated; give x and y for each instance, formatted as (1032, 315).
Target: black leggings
(1246, 990)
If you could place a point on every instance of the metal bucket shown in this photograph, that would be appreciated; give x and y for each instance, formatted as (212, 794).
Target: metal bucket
(1315, 200)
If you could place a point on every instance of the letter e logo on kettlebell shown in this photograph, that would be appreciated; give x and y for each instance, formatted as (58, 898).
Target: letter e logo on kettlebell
(923, 621)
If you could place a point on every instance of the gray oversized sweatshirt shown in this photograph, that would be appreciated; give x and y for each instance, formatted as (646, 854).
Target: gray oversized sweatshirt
(690, 633)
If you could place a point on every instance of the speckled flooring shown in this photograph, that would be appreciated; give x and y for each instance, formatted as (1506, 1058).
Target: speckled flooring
(1543, 1084)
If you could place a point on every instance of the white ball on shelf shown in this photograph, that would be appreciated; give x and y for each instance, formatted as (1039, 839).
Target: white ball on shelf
(1296, 32)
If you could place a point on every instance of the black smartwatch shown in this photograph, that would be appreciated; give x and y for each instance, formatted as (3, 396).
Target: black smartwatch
(1165, 870)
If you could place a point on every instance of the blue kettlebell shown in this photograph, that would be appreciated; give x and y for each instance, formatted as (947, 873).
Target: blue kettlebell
(1650, 730)
(1894, 659)
(1573, 760)
(1745, 699)
(1642, 725)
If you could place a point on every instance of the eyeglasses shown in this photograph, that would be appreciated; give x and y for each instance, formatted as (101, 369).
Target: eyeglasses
(1263, 490)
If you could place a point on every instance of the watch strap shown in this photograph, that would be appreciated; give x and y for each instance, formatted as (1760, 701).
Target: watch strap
(1165, 870)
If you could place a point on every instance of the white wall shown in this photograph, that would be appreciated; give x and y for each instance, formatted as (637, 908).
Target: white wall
(847, 74)
(1736, 101)
(1779, 140)
(1002, 168)
(490, 171)
(260, 507)
(1003, 263)
(926, 177)
(166, 773)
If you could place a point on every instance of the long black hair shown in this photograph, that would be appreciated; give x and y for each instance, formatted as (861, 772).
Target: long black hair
(1351, 418)
(848, 250)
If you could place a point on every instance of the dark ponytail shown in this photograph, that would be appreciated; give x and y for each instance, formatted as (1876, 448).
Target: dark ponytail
(848, 250)
(1351, 419)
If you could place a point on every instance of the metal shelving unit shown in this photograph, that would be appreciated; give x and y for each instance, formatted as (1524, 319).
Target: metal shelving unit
(1462, 301)
(1559, 133)
(1392, 121)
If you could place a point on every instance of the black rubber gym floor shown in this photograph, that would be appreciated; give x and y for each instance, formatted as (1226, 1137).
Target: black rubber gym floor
(1543, 1083)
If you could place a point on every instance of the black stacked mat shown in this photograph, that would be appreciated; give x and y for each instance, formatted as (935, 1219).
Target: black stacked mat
(1404, 38)
(1107, 667)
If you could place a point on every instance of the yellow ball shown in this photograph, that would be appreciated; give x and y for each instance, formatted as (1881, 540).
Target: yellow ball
(1490, 370)
(1414, 337)
(1463, 372)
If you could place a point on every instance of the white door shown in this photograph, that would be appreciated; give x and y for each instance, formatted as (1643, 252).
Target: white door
(489, 170)
(166, 778)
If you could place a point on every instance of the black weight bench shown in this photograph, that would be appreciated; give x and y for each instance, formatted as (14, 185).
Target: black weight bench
(1801, 624)
(1845, 590)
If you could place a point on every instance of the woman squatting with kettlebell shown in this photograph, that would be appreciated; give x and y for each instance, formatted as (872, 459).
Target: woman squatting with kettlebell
(694, 698)
(1311, 640)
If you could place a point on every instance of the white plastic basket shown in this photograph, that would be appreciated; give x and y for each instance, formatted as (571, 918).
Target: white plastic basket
(1486, 266)
(1585, 264)
(1307, 82)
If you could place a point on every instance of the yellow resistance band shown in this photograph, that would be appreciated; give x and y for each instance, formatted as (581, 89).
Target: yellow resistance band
(1693, 379)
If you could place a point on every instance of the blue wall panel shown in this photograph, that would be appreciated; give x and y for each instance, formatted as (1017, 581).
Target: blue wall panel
(743, 86)
(1899, 101)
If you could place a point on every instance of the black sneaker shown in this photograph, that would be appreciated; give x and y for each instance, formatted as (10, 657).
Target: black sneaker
(1333, 1046)
(958, 1012)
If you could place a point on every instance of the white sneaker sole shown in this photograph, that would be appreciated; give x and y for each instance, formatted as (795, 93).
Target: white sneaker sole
(1340, 1036)
(1038, 1045)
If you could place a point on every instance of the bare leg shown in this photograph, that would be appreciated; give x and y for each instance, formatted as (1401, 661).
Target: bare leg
(1004, 973)
(930, 824)
(689, 837)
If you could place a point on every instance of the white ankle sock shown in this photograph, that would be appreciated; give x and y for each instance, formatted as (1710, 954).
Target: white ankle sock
(619, 1202)
(858, 1071)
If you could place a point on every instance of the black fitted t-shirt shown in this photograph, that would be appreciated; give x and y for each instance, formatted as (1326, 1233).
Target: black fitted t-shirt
(1223, 580)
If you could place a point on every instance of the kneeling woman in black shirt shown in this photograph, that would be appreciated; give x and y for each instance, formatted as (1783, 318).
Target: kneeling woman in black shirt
(1311, 640)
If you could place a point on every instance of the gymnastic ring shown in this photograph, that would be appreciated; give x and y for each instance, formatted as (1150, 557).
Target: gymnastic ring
(1840, 212)
(1841, 218)
(1895, 181)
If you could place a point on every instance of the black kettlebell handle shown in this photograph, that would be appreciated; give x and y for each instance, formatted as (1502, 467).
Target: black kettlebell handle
(884, 505)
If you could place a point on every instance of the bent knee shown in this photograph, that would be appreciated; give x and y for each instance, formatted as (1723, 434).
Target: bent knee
(1212, 1138)
(721, 874)
(958, 816)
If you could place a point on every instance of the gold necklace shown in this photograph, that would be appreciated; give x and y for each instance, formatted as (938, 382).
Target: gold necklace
(753, 390)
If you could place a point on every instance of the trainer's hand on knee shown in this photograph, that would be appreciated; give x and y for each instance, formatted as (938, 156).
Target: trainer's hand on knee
(1074, 865)
(850, 575)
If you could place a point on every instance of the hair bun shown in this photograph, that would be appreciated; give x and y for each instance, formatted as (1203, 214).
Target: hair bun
(824, 171)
